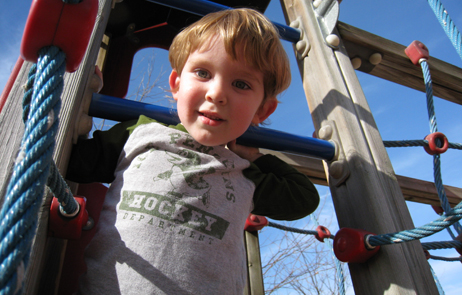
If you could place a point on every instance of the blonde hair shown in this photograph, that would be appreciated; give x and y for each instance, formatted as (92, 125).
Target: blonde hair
(248, 28)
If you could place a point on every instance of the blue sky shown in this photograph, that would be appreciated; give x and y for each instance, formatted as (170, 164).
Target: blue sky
(400, 113)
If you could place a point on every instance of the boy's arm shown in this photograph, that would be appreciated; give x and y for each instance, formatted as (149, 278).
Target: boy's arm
(282, 192)
(95, 159)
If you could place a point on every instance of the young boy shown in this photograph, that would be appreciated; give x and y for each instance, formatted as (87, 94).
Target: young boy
(173, 218)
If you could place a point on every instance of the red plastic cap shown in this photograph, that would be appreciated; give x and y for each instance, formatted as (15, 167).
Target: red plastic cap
(416, 51)
(54, 23)
(255, 222)
(67, 228)
(432, 147)
(349, 245)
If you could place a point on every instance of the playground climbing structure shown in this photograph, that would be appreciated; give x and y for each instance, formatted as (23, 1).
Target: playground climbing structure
(366, 193)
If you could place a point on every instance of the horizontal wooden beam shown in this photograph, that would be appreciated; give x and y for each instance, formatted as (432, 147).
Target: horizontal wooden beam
(396, 66)
(414, 190)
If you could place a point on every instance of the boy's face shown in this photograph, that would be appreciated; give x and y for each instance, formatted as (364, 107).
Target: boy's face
(217, 97)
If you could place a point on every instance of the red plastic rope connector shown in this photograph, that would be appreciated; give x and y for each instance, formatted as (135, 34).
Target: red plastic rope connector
(433, 148)
(54, 23)
(255, 222)
(350, 245)
(438, 209)
(65, 227)
(416, 51)
(427, 254)
(323, 232)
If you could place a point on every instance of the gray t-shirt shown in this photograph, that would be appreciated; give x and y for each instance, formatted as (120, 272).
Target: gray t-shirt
(173, 219)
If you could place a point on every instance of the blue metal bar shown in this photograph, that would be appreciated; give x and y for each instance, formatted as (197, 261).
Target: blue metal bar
(203, 7)
(119, 109)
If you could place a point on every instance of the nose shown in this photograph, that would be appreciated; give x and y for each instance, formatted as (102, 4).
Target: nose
(216, 92)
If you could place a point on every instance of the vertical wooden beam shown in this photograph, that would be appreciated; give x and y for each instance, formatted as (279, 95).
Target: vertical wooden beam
(255, 284)
(370, 198)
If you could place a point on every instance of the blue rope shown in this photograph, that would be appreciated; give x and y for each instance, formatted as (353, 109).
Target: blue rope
(437, 282)
(420, 232)
(447, 259)
(55, 181)
(446, 22)
(418, 142)
(433, 128)
(429, 94)
(294, 230)
(442, 245)
(26, 188)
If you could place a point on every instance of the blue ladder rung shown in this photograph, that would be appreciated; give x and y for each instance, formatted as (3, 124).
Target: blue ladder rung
(119, 109)
(203, 7)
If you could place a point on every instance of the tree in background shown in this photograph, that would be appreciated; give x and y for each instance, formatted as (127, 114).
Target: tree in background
(294, 263)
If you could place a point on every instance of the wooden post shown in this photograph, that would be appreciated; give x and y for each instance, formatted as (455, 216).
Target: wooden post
(370, 198)
(255, 285)
(42, 276)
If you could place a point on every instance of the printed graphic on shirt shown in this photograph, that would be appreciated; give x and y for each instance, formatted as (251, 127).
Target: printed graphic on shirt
(189, 163)
(174, 211)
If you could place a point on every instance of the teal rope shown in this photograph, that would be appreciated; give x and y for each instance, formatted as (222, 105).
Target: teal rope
(418, 142)
(442, 245)
(294, 230)
(55, 181)
(448, 25)
(26, 188)
(437, 282)
(435, 226)
(433, 128)
(447, 259)
(28, 91)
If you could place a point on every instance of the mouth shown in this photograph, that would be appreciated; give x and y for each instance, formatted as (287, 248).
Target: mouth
(211, 116)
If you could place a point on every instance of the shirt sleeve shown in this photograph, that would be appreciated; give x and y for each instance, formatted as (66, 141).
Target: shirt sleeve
(95, 159)
(281, 193)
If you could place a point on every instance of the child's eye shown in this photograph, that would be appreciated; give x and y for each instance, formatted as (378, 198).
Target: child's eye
(241, 85)
(202, 74)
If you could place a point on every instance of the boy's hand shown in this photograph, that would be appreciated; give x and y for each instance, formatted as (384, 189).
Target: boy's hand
(245, 152)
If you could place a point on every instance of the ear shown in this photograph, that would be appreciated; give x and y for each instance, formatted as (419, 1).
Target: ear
(265, 110)
(174, 82)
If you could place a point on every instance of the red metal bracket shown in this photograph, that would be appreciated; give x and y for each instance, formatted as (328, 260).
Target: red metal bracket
(54, 23)
(350, 245)
(255, 222)
(65, 227)
(433, 148)
(416, 51)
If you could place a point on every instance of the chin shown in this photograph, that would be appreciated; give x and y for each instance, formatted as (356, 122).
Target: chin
(211, 143)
